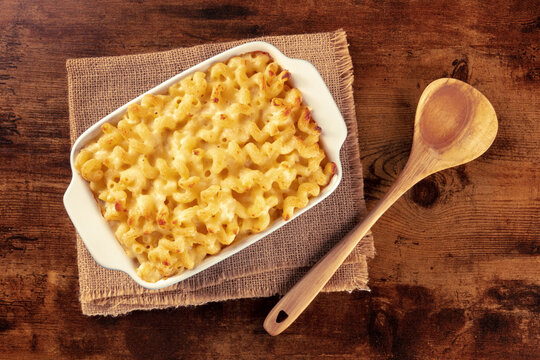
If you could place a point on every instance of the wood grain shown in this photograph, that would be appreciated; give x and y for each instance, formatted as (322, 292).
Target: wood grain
(457, 267)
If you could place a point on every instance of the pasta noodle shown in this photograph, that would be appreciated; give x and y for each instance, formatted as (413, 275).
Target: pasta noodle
(219, 157)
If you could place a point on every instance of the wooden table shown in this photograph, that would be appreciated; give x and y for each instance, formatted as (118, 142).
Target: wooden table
(457, 272)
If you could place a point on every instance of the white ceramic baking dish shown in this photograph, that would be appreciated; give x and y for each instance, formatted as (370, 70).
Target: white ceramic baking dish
(99, 237)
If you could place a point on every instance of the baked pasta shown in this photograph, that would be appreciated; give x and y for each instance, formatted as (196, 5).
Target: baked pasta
(219, 157)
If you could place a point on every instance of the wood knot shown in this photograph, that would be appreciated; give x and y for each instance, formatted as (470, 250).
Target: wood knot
(461, 70)
(5, 325)
(425, 193)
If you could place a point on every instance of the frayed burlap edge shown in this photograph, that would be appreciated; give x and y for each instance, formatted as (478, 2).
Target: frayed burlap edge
(175, 299)
(346, 73)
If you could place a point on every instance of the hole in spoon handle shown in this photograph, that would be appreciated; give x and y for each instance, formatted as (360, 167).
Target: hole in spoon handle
(282, 316)
(285, 312)
(276, 321)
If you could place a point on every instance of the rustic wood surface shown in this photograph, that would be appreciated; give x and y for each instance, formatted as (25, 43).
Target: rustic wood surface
(457, 274)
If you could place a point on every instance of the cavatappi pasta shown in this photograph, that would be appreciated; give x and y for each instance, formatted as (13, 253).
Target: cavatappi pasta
(219, 157)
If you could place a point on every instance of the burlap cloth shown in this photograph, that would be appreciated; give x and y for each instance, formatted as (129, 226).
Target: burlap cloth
(97, 86)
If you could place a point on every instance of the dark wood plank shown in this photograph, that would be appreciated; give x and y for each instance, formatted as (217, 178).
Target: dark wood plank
(458, 267)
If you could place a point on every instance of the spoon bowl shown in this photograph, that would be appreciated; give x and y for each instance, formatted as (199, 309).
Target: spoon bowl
(454, 124)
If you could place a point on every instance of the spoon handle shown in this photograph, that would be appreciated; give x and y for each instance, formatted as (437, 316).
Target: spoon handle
(302, 294)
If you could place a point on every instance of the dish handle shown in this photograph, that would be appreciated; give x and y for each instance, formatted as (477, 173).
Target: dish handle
(76, 200)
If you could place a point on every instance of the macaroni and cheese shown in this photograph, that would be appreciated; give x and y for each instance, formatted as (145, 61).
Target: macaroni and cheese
(219, 157)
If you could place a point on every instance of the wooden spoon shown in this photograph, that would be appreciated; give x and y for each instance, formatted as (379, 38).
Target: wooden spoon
(454, 124)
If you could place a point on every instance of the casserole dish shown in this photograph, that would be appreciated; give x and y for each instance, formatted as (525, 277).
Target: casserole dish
(98, 236)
